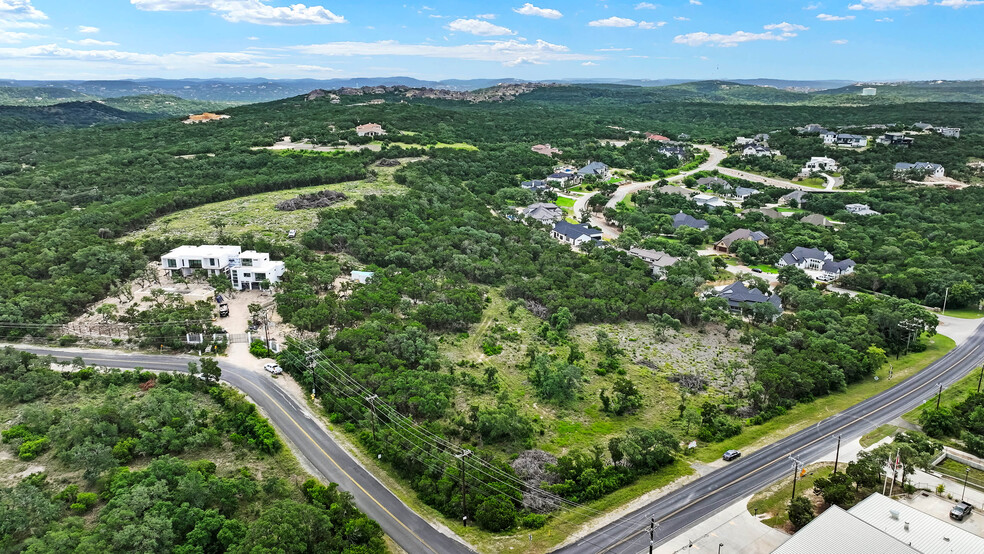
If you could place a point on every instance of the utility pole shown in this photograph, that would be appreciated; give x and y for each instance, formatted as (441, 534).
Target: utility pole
(980, 379)
(939, 395)
(895, 471)
(652, 533)
(464, 514)
(837, 455)
(796, 466)
(945, 296)
(311, 363)
(372, 403)
(966, 476)
(266, 333)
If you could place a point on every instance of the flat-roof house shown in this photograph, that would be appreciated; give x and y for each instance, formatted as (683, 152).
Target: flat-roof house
(895, 139)
(739, 297)
(845, 139)
(574, 234)
(798, 195)
(657, 259)
(544, 213)
(818, 164)
(952, 132)
(742, 193)
(252, 269)
(929, 169)
(724, 245)
(370, 130)
(214, 259)
(597, 169)
(860, 209)
(563, 179)
(818, 220)
(686, 220)
(709, 201)
(545, 149)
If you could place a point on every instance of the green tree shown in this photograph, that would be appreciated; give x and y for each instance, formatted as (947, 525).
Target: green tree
(792, 275)
(836, 489)
(496, 514)
(939, 423)
(210, 369)
(800, 512)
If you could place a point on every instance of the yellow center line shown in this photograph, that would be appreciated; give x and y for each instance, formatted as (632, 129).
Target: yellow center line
(807, 445)
(373, 498)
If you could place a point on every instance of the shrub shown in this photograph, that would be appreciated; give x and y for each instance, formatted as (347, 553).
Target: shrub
(800, 511)
(496, 514)
(30, 449)
(533, 521)
(258, 348)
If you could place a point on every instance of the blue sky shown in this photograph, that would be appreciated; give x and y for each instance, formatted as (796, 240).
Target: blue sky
(544, 39)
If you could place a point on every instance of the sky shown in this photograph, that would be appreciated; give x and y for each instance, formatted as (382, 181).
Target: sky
(862, 40)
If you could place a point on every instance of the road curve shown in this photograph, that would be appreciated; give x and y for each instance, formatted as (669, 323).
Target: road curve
(701, 498)
(295, 422)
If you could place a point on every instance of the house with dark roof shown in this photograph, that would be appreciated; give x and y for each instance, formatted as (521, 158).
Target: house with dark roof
(895, 139)
(798, 195)
(767, 212)
(927, 169)
(740, 297)
(563, 179)
(724, 245)
(819, 263)
(536, 185)
(686, 220)
(574, 234)
(544, 213)
(757, 150)
(713, 182)
(598, 169)
(673, 150)
(742, 193)
(818, 220)
(655, 258)
(812, 129)
(845, 139)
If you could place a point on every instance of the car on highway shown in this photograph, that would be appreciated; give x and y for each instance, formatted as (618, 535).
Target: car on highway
(961, 511)
(731, 455)
(273, 368)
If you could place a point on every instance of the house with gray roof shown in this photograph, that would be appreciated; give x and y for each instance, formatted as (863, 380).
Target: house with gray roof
(597, 169)
(819, 263)
(545, 213)
(929, 169)
(861, 209)
(845, 139)
(740, 297)
(686, 220)
(709, 201)
(655, 258)
(895, 139)
(671, 189)
(574, 234)
(712, 182)
(818, 220)
(798, 195)
(535, 185)
(770, 213)
(742, 193)
(757, 150)
(724, 245)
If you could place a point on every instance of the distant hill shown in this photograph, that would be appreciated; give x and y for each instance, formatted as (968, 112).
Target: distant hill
(69, 114)
(912, 91)
(163, 104)
(38, 96)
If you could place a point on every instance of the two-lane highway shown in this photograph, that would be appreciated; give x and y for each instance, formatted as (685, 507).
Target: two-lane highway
(295, 422)
(701, 498)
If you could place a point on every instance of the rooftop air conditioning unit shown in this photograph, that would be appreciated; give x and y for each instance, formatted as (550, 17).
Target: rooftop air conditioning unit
(894, 514)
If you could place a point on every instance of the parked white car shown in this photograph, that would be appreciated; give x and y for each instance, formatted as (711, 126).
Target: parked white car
(273, 368)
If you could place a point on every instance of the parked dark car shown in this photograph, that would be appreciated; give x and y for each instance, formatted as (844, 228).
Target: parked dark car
(961, 511)
(731, 455)
(756, 270)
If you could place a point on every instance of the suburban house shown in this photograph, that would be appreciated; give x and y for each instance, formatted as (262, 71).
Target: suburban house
(671, 189)
(715, 183)
(535, 185)
(742, 193)
(744, 141)
(923, 126)
(755, 149)
(563, 179)
(370, 130)
(709, 201)
(246, 269)
(818, 220)
(660, 138)
(544, 213)
(845, 139)
(685, 220)
(929, 169)
(253, 269)
(798, 195)
(204, 117)
(724, 245)
(658, 260)
(770, 213)
(573, 234)
(895, 139)
(812, 129)
(819, 263)
(545, 149)
(673, 150)
(741, 297)
(860, 209)
(597, 169)
(818, 164)
(952, 132)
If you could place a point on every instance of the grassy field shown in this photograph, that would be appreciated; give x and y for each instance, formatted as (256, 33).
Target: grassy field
(775, 500)
(455, 146)
(813, 182)
(878, 434)
(804, 415)
(565, 202)
(258, 215)
(957, 470)
(766, 268)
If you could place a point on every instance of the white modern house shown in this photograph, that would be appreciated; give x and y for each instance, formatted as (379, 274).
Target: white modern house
(928, 169)
(247, 270)
(952, 132)
(861, 209)
(820, 264)
(818, 164)
(758, 150)
(709, 201)
(845, 139)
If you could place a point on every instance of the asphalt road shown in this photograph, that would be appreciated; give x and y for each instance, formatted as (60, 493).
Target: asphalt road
(297, 425)
(700, 499)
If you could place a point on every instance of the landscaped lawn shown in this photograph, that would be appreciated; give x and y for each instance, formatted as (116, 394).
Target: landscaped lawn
(766, 268)
(813, 182)
(957, 471)
(565, 202)
(878, 434)
(804, 415)
(965, 313)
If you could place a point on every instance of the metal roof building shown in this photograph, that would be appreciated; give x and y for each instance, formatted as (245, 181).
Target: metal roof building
(838, 532)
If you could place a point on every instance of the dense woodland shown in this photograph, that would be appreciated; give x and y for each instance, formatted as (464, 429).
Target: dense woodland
(127, 469)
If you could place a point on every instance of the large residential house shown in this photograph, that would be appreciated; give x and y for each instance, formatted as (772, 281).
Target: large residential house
(573, 234)
(818, 220)
(742, 193)
(204, 117)
(715, 183)
(819, 263)
(923, 126)
(952, 132)
(536, 185)
(597, 169)
(845, 139)
(673, 150)
(818, 164)
(861, 209)
(709, 201)
(247, 270)
(671, 189)
(758, 150)
(798, 195)
(658, 138)
(740, 297)
(563, 179)
(685, 220)
(929, 169)
(544, 213)
(744, 141)
(724, 245)
(770, 213)
(895, 139)
(812, 129)
(658, 260)
(545, 149)
(370, 130)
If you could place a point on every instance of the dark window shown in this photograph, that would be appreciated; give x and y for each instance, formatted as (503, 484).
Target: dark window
(195, 264)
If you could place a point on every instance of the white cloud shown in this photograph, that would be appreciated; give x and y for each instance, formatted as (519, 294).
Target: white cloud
(696, 2)
(20, 9)
(885, 20)
(786, 27)
(645, 6)
(828, 17)
(252, 38)
(878, 5)
(167, 61)
(681, 18)
(530, 9)
(87, 29)
(724, 41)
(485, 16)
(613, 22)
(508, 52)
(247, 11)
(855, 7)
(612, 49)
(839, 41)
(957, 4)
(589, 63)
(94, 42)
(10, 37)
(811, 6)
(479, 27)
(318, 68)
(651, 24)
